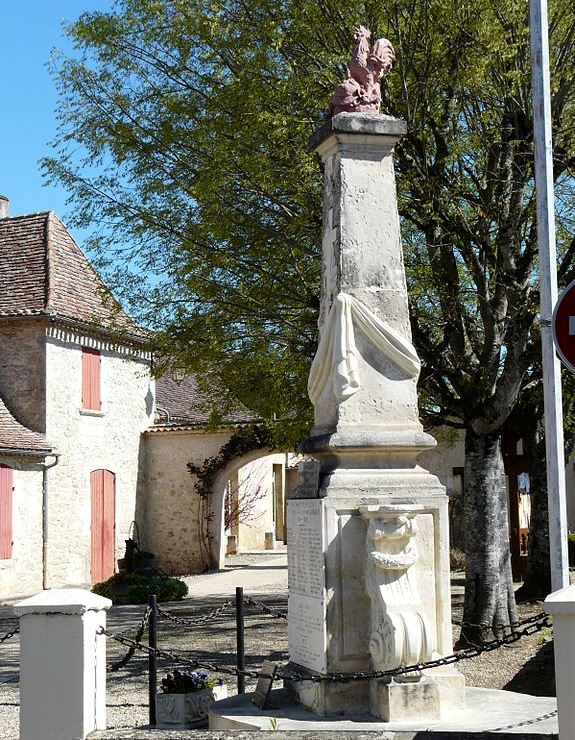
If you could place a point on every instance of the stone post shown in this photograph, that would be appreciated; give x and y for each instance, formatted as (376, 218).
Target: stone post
(366, 437)
(62, 664)
(561, 605)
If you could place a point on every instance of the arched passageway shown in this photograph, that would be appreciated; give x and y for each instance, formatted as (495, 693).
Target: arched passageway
(249, 502)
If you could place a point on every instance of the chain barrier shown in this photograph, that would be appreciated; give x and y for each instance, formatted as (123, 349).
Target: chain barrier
(501, 627)
(275, 613)
(118, 664)
(190, 621)
(9, 635)
(179, 658)
(465, 654)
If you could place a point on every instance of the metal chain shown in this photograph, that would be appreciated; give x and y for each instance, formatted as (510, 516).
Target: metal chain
(265, 608)
(465, 654)
(185, 621)
(179, 658)
(118, 664)
(501, 627)
(9, 635)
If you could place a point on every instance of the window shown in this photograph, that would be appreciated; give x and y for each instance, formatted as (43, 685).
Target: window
(91, 379)
(6, 488)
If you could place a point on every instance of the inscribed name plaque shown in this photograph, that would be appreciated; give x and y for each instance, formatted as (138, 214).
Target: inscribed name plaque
(306, 582)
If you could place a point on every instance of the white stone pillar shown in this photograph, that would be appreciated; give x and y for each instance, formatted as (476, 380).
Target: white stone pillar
(62, 664)
(367, 436)
(561, 605)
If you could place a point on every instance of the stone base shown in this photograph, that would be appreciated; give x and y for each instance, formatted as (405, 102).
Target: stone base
(451, 686)
(445, 683)
(487, 711)
(402, 701)
(328, 698)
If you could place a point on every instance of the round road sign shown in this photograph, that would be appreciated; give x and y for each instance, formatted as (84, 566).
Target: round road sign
(564, 326)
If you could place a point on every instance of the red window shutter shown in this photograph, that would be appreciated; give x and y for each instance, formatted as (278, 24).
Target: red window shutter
(6, 485)
(91, 379)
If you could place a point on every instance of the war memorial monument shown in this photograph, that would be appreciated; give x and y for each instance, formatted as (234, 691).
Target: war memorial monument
(368, 535)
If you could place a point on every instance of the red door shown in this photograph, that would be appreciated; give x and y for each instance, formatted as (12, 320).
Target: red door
(103, 489)
(6, 485)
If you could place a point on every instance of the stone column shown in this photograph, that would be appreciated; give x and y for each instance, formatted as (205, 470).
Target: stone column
(561, 605)
(367, 434)
(62, 664)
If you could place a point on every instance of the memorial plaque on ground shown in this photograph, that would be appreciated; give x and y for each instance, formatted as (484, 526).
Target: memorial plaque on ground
(264, 684)
(306, 583)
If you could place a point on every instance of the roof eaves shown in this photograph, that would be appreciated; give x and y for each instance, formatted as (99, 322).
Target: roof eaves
(192, 427)
(27, 451)
(53, 317)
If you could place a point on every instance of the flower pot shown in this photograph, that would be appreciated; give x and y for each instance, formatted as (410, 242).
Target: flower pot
(187, 710)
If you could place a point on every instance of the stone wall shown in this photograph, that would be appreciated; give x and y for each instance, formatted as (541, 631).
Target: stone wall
(22, 369)
(87, 440)
(171, 518)
(22, 573)
(449, 454)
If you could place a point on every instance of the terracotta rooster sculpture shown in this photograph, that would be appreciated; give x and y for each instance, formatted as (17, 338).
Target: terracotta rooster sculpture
(360, 91)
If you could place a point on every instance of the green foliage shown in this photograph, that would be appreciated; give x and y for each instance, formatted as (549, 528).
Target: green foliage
(187, 683)
(135, 588)
(571, 549)
(242, 441)
(183, 132)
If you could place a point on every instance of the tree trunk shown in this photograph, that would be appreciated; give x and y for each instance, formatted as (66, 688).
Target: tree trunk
(489, 596)
(537, 583)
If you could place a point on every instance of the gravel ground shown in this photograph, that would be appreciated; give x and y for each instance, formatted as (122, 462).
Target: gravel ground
(213, 641)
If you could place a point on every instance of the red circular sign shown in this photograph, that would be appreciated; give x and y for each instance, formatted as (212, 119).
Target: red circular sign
(564, 326)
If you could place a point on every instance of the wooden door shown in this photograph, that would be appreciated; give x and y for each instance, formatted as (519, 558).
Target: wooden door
(6, 487)
(103, 494)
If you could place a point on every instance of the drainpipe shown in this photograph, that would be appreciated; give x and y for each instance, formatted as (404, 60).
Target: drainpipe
(45, 469)
(166, 414)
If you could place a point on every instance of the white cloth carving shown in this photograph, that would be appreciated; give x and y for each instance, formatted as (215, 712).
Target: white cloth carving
(337, 355)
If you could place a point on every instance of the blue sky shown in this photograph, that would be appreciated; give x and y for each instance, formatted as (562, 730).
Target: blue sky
(30, 30)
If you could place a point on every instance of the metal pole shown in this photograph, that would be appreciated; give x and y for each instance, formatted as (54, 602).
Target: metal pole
(552, 396)
(152, 657)
(240, 647)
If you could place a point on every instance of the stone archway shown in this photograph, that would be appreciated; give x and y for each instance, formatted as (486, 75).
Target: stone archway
(216, 529)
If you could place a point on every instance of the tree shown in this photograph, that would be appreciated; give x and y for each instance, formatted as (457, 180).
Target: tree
(183, 132)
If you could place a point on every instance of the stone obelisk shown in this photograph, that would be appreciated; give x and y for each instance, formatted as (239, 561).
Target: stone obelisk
(368, 553)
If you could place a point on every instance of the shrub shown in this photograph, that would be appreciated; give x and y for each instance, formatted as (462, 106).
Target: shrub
(571, 549)
(135, 587)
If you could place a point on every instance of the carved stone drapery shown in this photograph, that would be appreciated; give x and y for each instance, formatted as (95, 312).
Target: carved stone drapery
(400, 631)
(337, 355)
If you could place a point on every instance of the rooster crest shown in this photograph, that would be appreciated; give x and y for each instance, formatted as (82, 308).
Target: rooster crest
(360, 92)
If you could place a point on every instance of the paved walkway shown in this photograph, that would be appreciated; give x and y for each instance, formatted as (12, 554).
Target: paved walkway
(257, 572)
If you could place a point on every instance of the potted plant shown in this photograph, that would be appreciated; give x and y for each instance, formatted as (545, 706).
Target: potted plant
(186, 698)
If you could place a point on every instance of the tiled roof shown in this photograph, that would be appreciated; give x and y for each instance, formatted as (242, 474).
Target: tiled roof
(44, 272)
(186, 405)
(15, 436)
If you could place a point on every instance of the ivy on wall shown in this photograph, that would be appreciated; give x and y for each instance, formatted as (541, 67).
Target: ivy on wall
(244, 440)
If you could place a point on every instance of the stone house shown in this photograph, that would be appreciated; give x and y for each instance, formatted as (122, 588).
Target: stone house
(257, 483)
(85, 447)
(75, 396)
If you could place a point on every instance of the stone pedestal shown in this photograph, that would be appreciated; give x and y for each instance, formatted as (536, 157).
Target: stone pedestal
(561, 605)
(366, 437)
(394, 701)
(62, 664)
